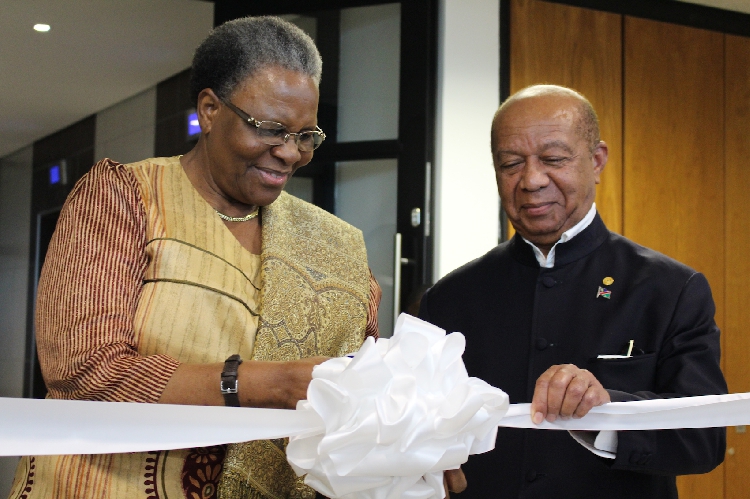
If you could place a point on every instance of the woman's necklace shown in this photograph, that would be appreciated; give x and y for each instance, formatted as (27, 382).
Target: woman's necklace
(247, 217)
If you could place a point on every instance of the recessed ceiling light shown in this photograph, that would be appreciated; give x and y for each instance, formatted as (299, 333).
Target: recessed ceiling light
(42, 28)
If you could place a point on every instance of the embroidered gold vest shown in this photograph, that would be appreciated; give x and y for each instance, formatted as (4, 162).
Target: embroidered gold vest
(313, 262)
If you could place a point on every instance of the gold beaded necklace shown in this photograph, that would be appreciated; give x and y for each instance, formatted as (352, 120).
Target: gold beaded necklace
(247, 217)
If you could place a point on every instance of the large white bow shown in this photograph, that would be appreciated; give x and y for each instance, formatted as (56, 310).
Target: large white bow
(396, 415)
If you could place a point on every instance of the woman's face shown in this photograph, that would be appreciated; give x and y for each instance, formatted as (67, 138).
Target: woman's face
(240, 166)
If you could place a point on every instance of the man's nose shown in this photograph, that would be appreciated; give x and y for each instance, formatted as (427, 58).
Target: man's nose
(534, 175)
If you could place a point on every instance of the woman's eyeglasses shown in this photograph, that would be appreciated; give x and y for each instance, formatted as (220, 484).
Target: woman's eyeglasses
(276, 134)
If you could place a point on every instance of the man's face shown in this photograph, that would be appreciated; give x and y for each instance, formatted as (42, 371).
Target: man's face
(546, 172)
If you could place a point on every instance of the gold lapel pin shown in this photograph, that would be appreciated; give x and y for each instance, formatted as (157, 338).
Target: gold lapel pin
(607, 281)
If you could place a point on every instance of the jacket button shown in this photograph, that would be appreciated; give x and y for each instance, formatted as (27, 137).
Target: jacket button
(549, 281)
(531, 475)
(636, 458)
(541, 343)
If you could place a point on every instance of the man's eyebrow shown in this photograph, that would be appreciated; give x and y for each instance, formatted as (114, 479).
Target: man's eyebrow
(544, 147)
(557, 143)
(507, 151)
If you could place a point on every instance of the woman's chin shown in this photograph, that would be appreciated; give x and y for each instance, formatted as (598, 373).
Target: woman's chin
(264, 196)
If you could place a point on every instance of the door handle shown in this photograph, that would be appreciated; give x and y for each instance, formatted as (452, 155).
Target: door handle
(396, 277)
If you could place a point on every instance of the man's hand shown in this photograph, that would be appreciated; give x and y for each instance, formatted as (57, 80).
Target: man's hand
(566, 391)
(454, 481)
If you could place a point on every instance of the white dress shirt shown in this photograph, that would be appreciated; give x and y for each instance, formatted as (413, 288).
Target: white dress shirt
(547, 262)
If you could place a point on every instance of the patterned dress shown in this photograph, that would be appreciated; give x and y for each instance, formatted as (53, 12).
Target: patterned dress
(141, 275)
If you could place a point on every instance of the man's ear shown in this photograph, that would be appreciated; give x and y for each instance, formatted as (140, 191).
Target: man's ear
(207, 107)
(601, 153)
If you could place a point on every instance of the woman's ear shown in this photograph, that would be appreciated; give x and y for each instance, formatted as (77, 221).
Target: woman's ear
(207, 107)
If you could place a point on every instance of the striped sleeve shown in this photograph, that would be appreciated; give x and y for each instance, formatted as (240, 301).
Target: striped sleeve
(88, 292)
(372, 328)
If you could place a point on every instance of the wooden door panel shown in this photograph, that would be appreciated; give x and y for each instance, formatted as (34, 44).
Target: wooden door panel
(674, 160)
(666, 185)
(736, 330)
(581, 49)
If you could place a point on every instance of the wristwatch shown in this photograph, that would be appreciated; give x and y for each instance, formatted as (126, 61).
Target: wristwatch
(229, 381)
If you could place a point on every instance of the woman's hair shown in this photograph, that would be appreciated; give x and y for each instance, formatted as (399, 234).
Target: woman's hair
(237, 49)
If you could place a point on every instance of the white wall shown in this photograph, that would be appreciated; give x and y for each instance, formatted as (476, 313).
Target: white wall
(126, 131)
(15, 224)
(466, 200)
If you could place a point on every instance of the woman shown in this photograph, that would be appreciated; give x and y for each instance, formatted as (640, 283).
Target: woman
(196, 280)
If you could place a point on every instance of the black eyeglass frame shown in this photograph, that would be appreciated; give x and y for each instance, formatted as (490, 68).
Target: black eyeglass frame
(318, 132)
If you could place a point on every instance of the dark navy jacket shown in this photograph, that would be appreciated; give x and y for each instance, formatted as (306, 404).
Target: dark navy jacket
(520, 319)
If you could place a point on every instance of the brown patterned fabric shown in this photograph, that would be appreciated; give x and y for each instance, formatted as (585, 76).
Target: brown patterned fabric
(139, 277)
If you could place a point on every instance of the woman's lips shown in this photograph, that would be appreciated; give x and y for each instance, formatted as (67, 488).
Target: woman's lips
(273, 177)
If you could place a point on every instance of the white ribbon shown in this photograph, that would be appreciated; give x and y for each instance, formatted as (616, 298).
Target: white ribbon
(40, 427)
(706, 411)
(381, 425)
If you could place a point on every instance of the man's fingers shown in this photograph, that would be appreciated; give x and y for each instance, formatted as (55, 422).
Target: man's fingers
(557, 388)
(455, 480)
(565, 391)
(574, 394)
(539, 401)
(595, 395)
(547, 398)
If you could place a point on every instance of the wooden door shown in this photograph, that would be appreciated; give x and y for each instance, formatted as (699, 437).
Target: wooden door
(582, 52)
(674, 106)
(737, 297)
(674, 160)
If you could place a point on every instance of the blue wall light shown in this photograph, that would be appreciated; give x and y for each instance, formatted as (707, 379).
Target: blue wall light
(193, 127)
(54, 174)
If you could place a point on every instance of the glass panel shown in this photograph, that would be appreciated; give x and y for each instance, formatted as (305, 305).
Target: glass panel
(305, 23)
(369, 73)
(15, 227)
(301, 187)
(366, 198)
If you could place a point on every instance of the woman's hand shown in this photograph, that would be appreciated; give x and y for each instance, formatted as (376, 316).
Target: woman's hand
(277, 385)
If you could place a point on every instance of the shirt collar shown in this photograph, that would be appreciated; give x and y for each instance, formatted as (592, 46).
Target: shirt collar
(549, 261)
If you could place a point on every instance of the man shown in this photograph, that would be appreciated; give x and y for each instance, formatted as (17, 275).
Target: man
(540, 309)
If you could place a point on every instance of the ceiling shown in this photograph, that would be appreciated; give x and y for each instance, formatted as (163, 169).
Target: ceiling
(98, 53)
(738, 5)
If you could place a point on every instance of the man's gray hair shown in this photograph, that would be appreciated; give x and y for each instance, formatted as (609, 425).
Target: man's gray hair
(588, 123)
(238, 49)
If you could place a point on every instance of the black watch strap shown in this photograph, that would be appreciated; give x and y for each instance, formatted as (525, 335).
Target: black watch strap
(229, 381)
